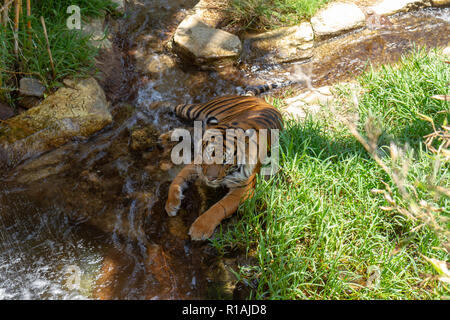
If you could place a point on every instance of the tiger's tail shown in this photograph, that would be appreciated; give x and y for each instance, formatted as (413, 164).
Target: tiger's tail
(253, 91)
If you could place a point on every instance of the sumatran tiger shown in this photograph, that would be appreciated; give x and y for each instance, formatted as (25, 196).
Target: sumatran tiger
(219, 115)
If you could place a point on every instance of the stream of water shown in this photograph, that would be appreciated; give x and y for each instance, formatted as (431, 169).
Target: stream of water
(87, 220)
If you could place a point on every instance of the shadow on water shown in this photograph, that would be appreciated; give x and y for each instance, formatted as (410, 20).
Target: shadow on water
(87, 220)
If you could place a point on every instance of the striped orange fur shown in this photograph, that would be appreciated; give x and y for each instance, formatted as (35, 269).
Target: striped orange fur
(222, 114)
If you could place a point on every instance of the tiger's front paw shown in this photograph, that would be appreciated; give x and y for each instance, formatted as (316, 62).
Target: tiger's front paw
(174, 201)
(202, 228)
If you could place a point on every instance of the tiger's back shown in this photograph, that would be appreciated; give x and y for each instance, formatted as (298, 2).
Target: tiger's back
(245, 112)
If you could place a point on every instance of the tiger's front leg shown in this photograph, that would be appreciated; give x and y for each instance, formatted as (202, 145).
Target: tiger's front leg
(188, 173)
(204, 226)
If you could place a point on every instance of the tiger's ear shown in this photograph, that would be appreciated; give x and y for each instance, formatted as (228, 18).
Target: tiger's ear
(211, 121)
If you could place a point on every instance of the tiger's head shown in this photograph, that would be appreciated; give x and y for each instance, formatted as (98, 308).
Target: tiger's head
(226, 160)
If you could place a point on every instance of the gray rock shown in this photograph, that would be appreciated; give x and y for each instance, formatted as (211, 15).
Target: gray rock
(76, 111)
(281, 45)
(337, 18)
(31, 87)
(196, 41)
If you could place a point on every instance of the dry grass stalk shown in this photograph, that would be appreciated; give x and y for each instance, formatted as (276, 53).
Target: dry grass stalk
(412, 206)
(4, 13)
(28, 15)
(48, 47)
(16, 28)
(439, 135)
(6, 5)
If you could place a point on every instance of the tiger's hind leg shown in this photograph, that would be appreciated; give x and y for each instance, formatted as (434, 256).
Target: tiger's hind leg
(188, 173)
(204, 226)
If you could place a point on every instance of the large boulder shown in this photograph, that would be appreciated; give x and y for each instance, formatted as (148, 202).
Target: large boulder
(75, 111)
(337, 18)
(205, 46)
(281, 45)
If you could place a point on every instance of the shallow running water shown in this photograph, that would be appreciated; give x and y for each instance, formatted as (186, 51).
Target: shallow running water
(87, 220)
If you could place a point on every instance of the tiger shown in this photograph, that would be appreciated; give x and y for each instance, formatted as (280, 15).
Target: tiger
(220, 114)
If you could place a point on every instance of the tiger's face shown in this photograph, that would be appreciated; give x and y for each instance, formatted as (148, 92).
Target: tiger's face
(214, 172)
(220, 164)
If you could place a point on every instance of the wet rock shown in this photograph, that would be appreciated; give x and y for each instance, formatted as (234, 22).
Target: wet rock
(196, 41)
(155, 64)
(49, 164)
(439, 3)
(95, 29)
(111, 75)
(144, 138)
(281, 45)
(76, 111)
(6, 111)
(390, 7)
(28, 102)
(120, 5)
(337, 18)
(31, 87)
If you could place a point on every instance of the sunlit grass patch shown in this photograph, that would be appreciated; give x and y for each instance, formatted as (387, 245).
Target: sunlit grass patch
(319, 230)
(269, 14)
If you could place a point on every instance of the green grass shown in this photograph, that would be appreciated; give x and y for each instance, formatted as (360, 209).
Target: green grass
(317, 231)
(397, 93)
(269, 14)
(72, 53)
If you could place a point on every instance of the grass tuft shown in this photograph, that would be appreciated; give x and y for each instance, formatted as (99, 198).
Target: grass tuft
(264, 14)
(72, 52)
